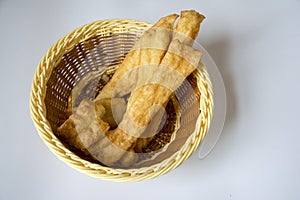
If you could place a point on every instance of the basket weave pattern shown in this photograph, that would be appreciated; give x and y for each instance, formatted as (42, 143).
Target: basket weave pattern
(62, 68)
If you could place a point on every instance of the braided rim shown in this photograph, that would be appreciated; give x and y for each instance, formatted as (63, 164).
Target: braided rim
(38, 108)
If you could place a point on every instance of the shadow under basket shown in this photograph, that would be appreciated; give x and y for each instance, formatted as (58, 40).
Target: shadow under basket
(99, 48)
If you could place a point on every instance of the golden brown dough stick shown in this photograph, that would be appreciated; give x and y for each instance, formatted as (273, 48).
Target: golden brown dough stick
(188, 26)
(84, 127)
(186, 32)
(90, 121)
(150, 49)
(144, 102)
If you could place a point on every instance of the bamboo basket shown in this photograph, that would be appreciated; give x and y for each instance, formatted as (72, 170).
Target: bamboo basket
(104, 44)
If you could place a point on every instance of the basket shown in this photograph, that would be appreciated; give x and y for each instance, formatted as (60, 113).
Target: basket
(103, 45)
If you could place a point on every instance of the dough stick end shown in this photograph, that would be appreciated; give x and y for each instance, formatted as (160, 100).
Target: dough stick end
(188, 26)
(192, 13)
(167, 22)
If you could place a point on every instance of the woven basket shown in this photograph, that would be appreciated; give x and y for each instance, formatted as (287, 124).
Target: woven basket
(103, 45)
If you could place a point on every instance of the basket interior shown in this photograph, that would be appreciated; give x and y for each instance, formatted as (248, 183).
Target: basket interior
(101, 53)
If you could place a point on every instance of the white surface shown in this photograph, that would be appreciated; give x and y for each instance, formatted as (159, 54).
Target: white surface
(254, 43)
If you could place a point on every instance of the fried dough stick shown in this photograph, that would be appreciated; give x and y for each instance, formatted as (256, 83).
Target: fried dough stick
(180, 61)
(90, 121)
(186, 31)
(85, 126)
(148, 50)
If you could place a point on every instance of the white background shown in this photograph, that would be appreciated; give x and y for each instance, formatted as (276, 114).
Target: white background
(256, 45)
